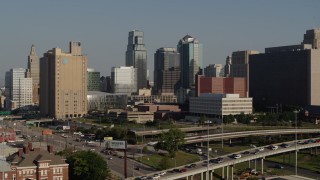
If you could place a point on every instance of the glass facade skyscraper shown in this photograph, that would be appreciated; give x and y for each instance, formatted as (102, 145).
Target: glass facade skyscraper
(190, 60)
(136, 56)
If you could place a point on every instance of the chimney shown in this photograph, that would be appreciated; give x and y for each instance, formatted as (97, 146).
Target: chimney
(50, 148)
(30, 145)
(26, 150)
(20, 151)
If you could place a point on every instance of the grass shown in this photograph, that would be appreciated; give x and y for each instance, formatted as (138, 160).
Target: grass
(182, 158)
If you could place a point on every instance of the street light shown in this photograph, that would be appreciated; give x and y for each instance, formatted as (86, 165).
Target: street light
(208, 150)
(221, 130)
(296, 137)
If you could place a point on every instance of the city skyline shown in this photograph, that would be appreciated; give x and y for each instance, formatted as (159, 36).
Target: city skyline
(222, 28)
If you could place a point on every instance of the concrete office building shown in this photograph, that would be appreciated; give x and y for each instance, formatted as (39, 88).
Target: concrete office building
(227, 67)
(213, 105)
(166, 71)
(105, 84)
(33, 72)
(63, 87)
(136, 56)
(93, 80)
(288, 75)
(124, 80)
(190, 51)
(18, 90)
(312, 37)
(213, 70)
(239, 63)
(222, 85)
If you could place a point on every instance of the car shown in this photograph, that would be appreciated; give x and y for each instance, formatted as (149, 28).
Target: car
(121, 157)
(318, 141)
(246, 152)
(183, 170)
(261, 149)
(162, 173)
(284, 145)
(309, 141)
(176, 170)
(193, 165)
(156, 176)
(300, 142)
(92, 149)
(109, 158)
(236, 156)
(218, 160)
(272, 147)
(256, 152)
(278, 166)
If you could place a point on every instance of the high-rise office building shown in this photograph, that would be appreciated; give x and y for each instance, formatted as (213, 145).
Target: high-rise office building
(166, 71)
(190, 51)
(63, 87)
(34, 73)
(136, 56)
(288, 75)
(227, 67)
(93, 80)
(312, 37)
(124, 80)
(213, 70)
(18, 90)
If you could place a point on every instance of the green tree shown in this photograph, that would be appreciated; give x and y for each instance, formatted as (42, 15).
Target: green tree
(228, 119)
(145, 150)
(87, 165)
(171, 141)
(202, 120)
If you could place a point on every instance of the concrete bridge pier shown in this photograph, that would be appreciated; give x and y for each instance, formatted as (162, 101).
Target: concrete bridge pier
(232, 172)
(201, 176)
(262, 159)
(255, 164)
(222, 173)
(190, 177)
(249, 163)
(228, 172)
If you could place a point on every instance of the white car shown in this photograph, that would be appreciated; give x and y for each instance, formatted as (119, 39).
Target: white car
(274, 147)
(162, 173)
(236, 156)
(261, 149)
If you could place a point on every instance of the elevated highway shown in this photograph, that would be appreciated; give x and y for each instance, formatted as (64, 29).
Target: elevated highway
(228, 162)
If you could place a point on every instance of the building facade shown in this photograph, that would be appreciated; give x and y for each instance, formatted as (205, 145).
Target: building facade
(102, 101)
(166, 71)
(124, 80)
(33, 72)
(63, 87)
(312, 37)
(220, 105)
(286, 75)
(18, 90)
(32, 163)
(213, 70)
(222, 85)
(190, 51)
(93, 80)
(136, 56)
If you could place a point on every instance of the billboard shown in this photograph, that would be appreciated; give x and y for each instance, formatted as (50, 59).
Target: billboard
(108, 138)
(47, 132)
(116, 144)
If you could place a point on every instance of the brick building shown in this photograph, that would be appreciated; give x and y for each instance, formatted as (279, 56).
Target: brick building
(7, 134)
(222, 85)
(35, 164)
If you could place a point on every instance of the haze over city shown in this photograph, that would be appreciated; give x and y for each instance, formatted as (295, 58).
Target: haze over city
(103, 26)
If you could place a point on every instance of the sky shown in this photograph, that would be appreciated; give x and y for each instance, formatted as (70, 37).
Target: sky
(102, 26)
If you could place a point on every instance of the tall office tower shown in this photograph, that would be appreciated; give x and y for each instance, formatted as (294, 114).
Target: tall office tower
(105, 84)
(93, 80)
(190, 60)
(227, 67)
(124, 80)
(19, 93)
(213, 70)
(166, 71)
(34, 73)
(312, 37)
(136, 56)
(63, 87)
(288, 75)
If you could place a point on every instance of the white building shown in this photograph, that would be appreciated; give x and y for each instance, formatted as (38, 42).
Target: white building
(18, 89)
(124, 80)
(220, 104)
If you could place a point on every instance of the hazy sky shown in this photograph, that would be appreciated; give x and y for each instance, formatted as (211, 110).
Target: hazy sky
(102, 26)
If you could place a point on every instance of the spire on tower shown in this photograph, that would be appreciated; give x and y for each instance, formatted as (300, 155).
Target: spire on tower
(33, 50)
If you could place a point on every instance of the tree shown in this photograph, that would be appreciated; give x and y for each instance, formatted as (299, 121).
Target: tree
(145, 150)
(202, 120)
(171, 141)
(228, 119)
(87, 165)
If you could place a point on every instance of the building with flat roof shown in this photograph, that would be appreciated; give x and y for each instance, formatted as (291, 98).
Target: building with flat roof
(222, 85)
(102, 101)
(312, 37)
(63, 82)
(213, 105)
(213, 70)
(93, 83)
(288, 75)
(33, 72)
(166, 71)
(124, 80)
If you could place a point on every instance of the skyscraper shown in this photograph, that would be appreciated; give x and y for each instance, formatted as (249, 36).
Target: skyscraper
(136, 56)
(312, 37)
(124, 80)
(34, 73)
(18, 90)
(213, 70)
(166, 71)
(190, 60)
(93, 80)
(63, 87)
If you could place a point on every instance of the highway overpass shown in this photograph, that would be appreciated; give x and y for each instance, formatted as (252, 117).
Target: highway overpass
(228, 162)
